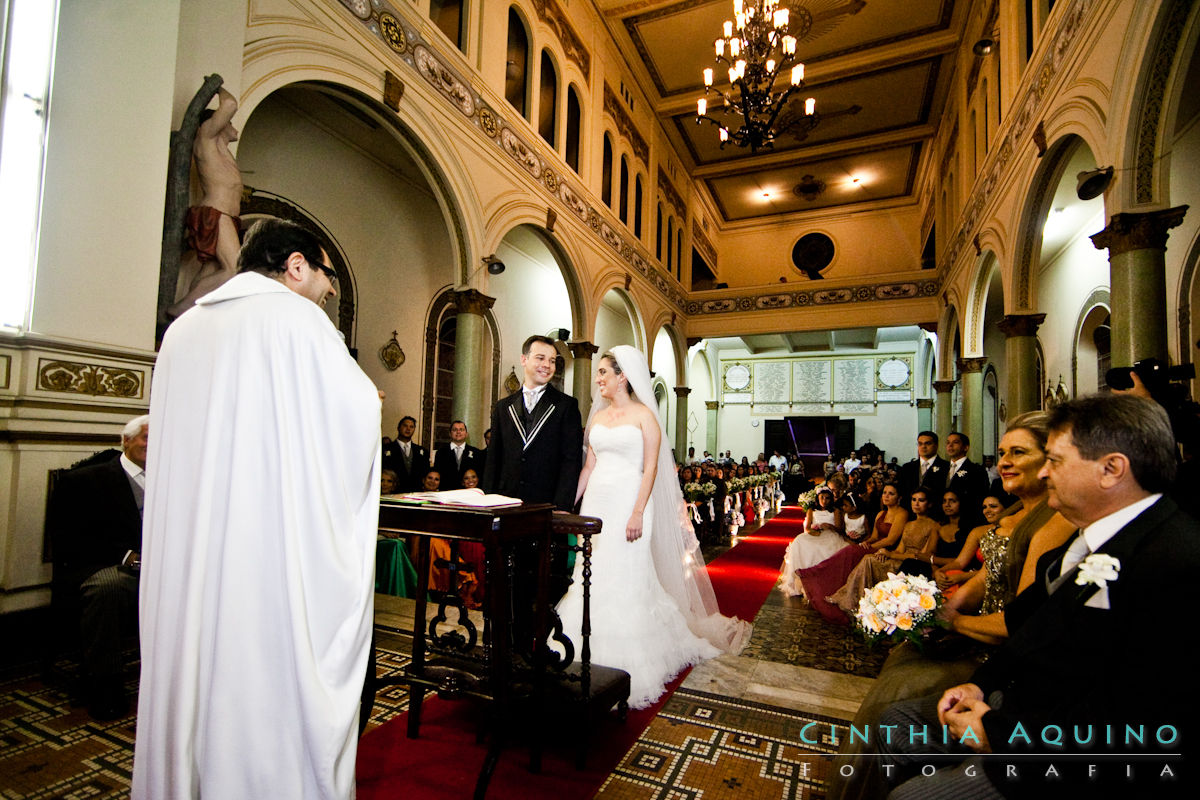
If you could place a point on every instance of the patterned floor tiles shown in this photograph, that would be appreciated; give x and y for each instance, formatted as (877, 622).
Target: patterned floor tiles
(708, 746)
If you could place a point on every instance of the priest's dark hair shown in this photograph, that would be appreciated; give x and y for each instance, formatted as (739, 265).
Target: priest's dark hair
(270, 241)
(1136, 427)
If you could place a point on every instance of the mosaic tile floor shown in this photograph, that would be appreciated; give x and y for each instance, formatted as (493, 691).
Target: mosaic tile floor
(703, 745)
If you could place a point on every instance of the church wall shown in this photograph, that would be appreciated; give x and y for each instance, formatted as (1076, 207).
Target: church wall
(613, 327)
(106, 167)
(1064, 285)
(868, 245)
(388, 225)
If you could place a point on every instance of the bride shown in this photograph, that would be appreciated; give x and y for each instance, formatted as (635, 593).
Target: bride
(653, 611)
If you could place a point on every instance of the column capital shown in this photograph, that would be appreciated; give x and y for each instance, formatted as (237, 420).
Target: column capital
(1129, 231)
(925, 402)
(471, 301)
(712, 405)
(691, 341)
(930, 327)
(582, 349)
(972, 364)
(942, 387)
(1020, 324)
(682, 391)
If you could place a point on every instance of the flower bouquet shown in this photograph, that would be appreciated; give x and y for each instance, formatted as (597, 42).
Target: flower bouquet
(808, 500)
(901, 607)
(698, 491)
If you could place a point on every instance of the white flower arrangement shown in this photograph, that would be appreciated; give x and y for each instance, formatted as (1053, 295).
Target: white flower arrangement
(1098, 569)
(906, 604)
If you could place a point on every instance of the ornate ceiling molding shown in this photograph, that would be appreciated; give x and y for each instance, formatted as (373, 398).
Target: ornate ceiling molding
(774, 301)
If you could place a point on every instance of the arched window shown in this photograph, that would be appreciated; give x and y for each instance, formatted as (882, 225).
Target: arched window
(658, 236)
(679, 252)
(574, 122)
(623, 199)
(516, 68)
(447, 15)
(637, 206)
(670, 242)
(606, 173)
(548, 99)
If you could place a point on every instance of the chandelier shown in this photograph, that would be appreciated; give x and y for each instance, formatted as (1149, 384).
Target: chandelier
(759, 44)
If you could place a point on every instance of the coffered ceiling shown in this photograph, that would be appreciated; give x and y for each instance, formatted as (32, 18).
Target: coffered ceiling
(880, 71)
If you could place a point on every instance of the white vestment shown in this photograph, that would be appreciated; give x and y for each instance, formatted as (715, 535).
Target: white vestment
(258, 559)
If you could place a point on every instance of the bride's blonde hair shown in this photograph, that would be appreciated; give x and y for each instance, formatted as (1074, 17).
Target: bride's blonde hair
(617, 369)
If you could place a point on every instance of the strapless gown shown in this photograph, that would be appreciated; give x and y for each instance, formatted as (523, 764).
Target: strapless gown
(636, 625)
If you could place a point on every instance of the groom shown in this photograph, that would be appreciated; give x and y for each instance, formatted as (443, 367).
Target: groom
(535, 454)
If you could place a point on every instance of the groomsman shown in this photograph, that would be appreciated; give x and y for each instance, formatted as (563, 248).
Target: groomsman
(927, 469)
(964, 477)
(409, 460)
(455, 458)
(1095, 647)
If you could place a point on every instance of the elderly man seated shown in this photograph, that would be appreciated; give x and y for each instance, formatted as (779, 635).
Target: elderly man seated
(1092, 693)
(95, 526)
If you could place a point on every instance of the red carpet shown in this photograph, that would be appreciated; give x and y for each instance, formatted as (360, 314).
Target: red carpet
(445, 761)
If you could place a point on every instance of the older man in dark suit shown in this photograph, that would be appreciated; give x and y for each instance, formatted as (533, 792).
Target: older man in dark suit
(535, 454)
(1099, 645)
(95, 524)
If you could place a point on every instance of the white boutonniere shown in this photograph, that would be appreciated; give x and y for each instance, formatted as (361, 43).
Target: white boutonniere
(935, 468)
(1098, 569)
(962, 473)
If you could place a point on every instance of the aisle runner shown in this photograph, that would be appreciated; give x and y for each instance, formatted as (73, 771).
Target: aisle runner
(444, 762)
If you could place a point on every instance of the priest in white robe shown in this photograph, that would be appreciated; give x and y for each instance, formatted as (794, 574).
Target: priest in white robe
(258, 560)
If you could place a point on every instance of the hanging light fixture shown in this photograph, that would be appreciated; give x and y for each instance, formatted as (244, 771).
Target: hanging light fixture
(757, 46)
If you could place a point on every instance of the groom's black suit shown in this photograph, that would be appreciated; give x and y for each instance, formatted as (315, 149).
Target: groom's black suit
(535, 456)
(1068, 664)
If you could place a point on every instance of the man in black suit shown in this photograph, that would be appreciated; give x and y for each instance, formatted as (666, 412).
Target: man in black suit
(927, 470)
(1096, 646)
(535, 454)
(964, 477)
(456, 457)
(94, 520)
(409, 460)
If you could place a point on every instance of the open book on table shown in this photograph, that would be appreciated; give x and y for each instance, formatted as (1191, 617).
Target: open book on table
(474, 498)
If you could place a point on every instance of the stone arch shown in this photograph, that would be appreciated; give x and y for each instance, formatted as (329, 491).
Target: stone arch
(521, 213)
(945, 368)
(614, 298)
(985, 265)
(1020, 291)
(321, 68)
(1094, 310)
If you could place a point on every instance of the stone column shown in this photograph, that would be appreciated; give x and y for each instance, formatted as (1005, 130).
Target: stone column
(1020, 362)
(710, 438)
(581, 385)
(469, 390)
(943, 408)
(971, 371)
(924, 415)
(681, 415)
(1136, 246)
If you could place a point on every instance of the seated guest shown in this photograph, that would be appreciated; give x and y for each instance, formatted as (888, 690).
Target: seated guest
(916, 541)
(951, 536)
(970, 559)
(472, 553)
(389, 482)
(822, 537)
(442, 557)
(824, 579)
(854, 519)
(94, 521)
(1101, 608)
(975, 610)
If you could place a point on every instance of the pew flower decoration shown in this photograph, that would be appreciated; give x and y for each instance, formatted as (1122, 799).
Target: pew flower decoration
(901, 607)
(694, 491)
(1098, 569)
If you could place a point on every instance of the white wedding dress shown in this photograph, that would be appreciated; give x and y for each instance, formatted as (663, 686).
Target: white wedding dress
(636, 625)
